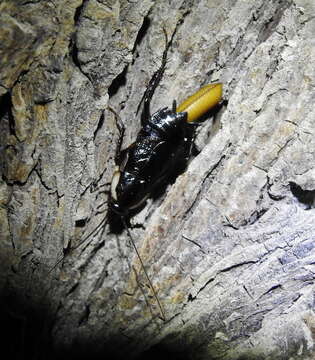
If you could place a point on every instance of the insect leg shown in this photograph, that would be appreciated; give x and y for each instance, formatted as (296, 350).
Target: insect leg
(100, 226)
(154, 82)
(191, 146)
(174, 106)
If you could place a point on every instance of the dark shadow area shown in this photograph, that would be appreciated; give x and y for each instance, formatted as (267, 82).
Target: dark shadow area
(159, 352)
(25, 329)
(5, 104)
(116, 224)
(112, 351)
(120, 80)
(92, 351)
(27, 319)
(99, 125)
(74, 52)
(27, 333)
(142, 32)
(306, 197)
(80, 223)
(78, 12)
(6, 112)
(73, 49)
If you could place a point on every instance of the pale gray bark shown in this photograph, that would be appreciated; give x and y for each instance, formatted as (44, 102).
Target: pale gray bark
(230, 246)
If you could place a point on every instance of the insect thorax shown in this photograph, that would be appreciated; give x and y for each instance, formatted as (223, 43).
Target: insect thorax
(168, 123)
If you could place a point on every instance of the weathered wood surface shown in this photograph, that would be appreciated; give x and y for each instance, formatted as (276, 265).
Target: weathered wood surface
(229, 247)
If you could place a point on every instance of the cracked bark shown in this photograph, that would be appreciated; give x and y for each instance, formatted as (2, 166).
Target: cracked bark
(229, 247)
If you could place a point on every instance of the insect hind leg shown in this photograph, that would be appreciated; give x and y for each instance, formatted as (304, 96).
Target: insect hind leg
(154, 82)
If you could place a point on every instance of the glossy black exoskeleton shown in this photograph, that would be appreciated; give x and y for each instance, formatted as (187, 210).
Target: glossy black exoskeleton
(163, 144)
(159, 153)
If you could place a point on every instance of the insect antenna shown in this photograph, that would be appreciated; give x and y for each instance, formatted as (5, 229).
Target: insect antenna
(162, 313)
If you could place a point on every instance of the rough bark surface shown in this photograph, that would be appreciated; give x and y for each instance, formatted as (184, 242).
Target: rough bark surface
(229, 247)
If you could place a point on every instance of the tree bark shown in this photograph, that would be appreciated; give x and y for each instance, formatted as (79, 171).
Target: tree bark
(229, 246)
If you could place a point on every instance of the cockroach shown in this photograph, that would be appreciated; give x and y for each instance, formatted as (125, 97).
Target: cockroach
(161, 150)
(164, 143)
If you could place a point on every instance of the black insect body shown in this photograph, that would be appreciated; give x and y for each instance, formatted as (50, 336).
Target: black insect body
(160, 152)
(162, 148)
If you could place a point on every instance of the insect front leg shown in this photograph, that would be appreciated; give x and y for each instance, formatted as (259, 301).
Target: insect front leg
(193, 149)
